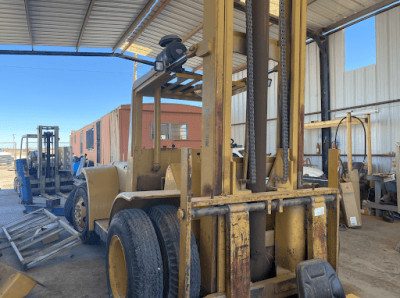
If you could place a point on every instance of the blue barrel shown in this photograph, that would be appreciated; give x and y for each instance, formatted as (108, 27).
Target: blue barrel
(24, 183)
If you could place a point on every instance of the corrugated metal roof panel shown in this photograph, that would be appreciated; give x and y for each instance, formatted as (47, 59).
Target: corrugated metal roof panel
(109, 20)
(13, 25)
(58, 22)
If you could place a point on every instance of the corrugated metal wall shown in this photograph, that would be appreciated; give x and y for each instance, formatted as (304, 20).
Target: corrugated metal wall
(371, 84)
(313, 96)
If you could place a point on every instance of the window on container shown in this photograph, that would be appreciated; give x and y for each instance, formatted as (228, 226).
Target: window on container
(81, 143)
(360, 48)
(90, 139)
(171, 131)
(178, 131)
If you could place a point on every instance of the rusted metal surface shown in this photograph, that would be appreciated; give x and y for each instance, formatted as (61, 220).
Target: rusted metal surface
(198, 202)
(316, 229)
(238, 252)
(300, 160)
(185, 223)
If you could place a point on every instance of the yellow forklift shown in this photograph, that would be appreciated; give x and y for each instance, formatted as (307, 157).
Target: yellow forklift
(190, 223)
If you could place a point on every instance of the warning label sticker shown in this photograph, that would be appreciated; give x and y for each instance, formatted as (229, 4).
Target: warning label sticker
(319, 211)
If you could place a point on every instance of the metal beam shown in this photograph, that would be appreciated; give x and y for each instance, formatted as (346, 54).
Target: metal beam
(28, 21)
(134, 24)
(75, 54)
(193, 32)
(146, 24)
(359, 14)
(198, 67)
(85, 21)
(274, 20)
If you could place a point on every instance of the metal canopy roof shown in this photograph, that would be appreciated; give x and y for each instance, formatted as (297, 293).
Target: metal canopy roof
(137, 25)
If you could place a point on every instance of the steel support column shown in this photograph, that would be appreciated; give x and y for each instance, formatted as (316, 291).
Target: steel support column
(325, 99)
(157, 129)
(260, 265)
(135, 139)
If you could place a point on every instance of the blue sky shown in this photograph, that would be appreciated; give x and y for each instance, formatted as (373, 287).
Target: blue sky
(360, 49)
(72, 92)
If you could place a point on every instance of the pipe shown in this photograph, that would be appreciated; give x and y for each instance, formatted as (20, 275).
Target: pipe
(260, 264)
(157, 129)
(257, 207)
(75, 54)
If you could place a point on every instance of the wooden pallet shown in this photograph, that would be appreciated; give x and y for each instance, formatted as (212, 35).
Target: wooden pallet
(35, 237)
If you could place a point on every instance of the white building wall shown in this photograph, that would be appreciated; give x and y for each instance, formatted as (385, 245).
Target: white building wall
(371, 84)
(367, 85)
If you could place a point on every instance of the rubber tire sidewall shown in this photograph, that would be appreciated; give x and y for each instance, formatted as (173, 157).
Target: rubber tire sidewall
(87, 237)
(69, 205)
(142, 253)
(167, 226)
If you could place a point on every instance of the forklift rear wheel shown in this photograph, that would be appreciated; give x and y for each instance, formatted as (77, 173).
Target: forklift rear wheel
(69, 204)
(134, 262)
(166, 224)
(80, 214)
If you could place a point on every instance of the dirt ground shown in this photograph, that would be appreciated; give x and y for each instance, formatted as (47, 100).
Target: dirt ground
(369, 264)
(7, 175)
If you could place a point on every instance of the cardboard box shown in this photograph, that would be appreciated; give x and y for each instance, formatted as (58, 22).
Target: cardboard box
(349, 204)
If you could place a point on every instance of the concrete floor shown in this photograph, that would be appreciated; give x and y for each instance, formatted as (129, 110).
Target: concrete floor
(369, 263)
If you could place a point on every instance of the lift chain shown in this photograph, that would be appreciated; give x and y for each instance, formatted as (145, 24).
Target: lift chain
(284, 91)
(250, 92)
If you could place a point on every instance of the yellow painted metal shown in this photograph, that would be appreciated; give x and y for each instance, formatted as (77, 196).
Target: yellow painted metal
(135, 140)
(369, 149)
(283, 285)
(80, 214)
(333, 168)
(102, 187)
(222, 250)
(289, 227)
(216, 152)
(173, 175)
(185, 224)
(349, 144)
(238, 252)
(157, 129)
(331, 123)
(290, 237)
(13, 283)
(316, 229)
(239, 46)
(333, 209)
(118, 274)
(143, 200)
(243, 197)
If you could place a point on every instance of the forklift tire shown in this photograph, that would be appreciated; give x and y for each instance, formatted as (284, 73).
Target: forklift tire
(69, 203)
(166, 224)
(80, 215)
(134, 262)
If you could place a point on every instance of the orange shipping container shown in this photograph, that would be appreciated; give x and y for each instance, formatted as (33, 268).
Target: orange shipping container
(106, 140)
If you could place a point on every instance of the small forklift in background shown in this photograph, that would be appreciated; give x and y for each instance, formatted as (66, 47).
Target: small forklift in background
(46, 171)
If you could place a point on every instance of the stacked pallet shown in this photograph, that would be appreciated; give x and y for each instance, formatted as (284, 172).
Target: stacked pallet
(6, 159)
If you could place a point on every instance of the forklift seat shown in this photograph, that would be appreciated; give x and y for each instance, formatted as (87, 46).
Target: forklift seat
(317, 279)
